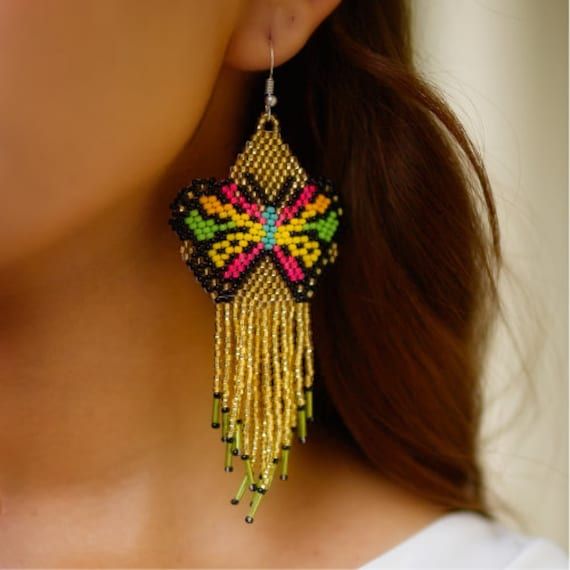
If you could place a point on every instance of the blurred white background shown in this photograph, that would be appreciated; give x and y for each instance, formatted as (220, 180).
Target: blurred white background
(503, 65)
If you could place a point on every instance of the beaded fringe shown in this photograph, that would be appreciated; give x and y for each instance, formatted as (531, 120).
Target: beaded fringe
(262, 387)
(257, 242)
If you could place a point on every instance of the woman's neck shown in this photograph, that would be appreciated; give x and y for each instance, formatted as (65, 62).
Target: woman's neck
(105, 337)
(98, 341)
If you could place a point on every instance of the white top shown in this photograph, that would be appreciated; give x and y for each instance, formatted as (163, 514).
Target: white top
(465, 539)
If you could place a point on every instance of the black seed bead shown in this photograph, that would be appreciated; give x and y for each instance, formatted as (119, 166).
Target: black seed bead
(248, 519)
(234, 501)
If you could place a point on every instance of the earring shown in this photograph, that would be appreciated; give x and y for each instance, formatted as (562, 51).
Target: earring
(257, 242)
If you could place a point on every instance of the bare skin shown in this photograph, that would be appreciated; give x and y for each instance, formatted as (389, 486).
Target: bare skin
(108, 459)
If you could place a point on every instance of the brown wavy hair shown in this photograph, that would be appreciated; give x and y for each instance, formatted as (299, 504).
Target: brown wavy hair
(402, 320)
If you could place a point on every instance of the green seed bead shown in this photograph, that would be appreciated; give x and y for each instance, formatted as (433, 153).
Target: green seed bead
(225, 423)
(302, 424)
(249, 471)
(237, 438)
(242, 488)
(309, 400)
(254, 506)
(284, 464)
(228, 460)
(216, 413)
(272, 469)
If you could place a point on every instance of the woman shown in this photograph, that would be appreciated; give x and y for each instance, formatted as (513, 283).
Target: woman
(107, 108)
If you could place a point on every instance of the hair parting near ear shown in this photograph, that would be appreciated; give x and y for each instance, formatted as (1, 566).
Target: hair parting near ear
(402, 320)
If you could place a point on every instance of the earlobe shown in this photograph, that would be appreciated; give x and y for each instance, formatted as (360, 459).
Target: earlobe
(287, 23)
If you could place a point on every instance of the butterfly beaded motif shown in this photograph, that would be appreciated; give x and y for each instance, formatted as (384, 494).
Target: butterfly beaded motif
(228, 229)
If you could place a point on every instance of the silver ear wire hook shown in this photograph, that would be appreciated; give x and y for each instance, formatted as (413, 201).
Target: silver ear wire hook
(270, 99)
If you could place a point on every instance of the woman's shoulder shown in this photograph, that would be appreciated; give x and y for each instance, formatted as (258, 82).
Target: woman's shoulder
(465, 539)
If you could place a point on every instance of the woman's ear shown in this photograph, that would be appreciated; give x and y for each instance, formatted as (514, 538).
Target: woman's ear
(287, 23)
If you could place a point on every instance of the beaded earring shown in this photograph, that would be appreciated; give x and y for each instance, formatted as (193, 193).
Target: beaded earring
(257, 243)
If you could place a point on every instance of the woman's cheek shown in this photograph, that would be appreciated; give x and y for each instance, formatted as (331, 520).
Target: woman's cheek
(96, 98)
